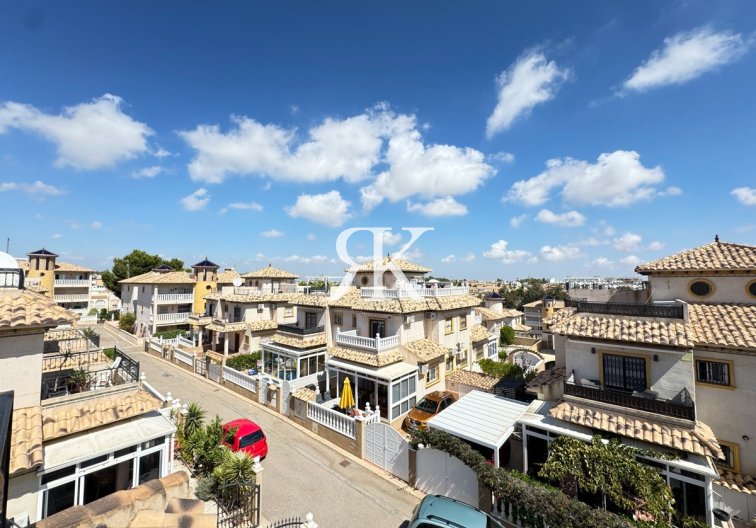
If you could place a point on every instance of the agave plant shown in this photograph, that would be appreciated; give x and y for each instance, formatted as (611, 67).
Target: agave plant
(193, 419)
(235, 469)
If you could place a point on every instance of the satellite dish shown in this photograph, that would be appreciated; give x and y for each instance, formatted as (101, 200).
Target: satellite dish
(237, 282)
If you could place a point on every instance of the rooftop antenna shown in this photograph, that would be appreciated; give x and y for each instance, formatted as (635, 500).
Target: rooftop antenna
(716, 238)
(7, 245)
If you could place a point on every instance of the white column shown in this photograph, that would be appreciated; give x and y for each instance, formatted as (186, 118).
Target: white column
(524, 449)
(154, 309)
(225, 345)
(200, 337)
(356, 391)
(709, 502)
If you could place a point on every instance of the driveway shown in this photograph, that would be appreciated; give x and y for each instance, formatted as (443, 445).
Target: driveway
(301, 473)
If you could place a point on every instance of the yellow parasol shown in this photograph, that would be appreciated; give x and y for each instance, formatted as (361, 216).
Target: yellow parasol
(347, 399)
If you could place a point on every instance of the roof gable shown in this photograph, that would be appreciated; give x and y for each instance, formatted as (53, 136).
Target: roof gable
(717, 256)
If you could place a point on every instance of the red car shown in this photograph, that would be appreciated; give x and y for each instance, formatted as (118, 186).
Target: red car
(245, 435)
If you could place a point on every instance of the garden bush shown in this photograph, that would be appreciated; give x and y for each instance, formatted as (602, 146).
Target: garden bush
(243, 362)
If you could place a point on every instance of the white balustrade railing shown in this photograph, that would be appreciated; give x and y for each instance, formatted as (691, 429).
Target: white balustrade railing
(80, 283)
(341, 423)
(173, 317)
(239, 378)
(175, 297)
(184, 342)
(72, 297)
(184, 357)
(376, 344)
(256, 290)
(402, 292)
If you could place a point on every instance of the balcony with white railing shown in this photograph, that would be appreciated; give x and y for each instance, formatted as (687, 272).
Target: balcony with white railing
(441, 289)
(72, 283)
(254, 290)
(172, 317)
(72, 297)
(373, 344)
(175, 298)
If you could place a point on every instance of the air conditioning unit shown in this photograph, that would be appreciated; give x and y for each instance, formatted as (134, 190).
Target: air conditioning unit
(431, 315)
(260, 307)
(409, 319)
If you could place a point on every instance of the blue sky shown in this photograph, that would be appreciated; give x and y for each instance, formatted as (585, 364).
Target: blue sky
(546, 139)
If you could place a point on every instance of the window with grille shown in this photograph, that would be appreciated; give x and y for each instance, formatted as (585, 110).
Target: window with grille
(714, 372)
(625, 373)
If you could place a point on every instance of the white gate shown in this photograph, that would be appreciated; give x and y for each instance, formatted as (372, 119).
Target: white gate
(214, 372)
(385, 447)
(441, 474)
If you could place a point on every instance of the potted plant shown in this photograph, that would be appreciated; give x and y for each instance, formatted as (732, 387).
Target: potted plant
(78, 380)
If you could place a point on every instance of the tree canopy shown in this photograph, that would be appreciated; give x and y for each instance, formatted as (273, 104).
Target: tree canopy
(133, 264)
(530, 290)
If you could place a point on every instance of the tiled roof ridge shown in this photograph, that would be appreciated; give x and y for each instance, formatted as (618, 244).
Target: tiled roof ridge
(684, 260)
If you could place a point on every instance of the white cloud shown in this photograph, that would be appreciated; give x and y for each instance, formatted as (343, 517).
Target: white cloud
(616, 179)
(196, 201)
(502, 157)
(329, 209)
(57, 236)
(96, 225)
(160, 153)
(499, 251)
(602, 262)
(631, 260)
(242, 206)
(429, 171)
(591, 241)
(272, 233)
(568, 219)
(334, 149)
(469, 257)
(655, 245)
(147, 172)
(37, 189)
(628, 242)
(671, 191)
(557, 253)
(685, 56)
(446, 206)
(311, 237)
(391, 239)
(88, 136)
(448, 259)
(530, 81)
(315, 259)
(413, 254)
(516, 221)
(745, 195)
(609, 231)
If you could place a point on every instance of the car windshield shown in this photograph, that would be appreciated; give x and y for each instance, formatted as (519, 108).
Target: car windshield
(428, 406)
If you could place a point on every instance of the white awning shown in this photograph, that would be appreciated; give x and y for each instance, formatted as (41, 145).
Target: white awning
(388, 373)
(79, 447)
(480, 417)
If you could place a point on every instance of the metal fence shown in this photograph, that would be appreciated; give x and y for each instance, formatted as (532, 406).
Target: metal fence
(238, 506)
(292, 522)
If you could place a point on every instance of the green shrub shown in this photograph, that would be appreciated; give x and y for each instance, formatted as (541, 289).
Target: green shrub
(506, 335)
(109, 352)
(126, 322)
(207, 488)
(501, 369)
(243, 362)
(169, 334)
(92, 311)
(532, 503)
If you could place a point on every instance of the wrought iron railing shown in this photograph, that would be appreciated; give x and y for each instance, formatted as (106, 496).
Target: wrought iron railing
(238, 505)
(634, 310)
(123, 370)
(684, 408)
(293, 329)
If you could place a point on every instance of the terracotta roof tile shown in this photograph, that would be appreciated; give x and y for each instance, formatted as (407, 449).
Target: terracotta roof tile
(305, 394)
(717, 256)
(479, 333)
(227, 276)
(26, 439)
(724, 325)
(489, 315)
(406, 305)
(262, 326)
(389, 262)
(739, 482)
(68, 266)
(426, 350)
(380, 359)
(547, 377)
(22, 308)
(669, 332)
(153, 277)
(473, 379)
(300, 342)
(270, 272)
(80, 416)
(699, 440)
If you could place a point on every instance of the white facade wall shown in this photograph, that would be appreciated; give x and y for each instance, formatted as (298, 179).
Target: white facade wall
(668, 376)
(21, 357)
(23, 496)
(730, 412)
(727, 288)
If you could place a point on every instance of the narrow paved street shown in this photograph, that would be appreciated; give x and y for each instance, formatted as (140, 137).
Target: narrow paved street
(301, 474)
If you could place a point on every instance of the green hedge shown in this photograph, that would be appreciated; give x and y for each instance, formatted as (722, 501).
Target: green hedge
(243, 362)
(109, 352)
(169, 334)
(533, 503)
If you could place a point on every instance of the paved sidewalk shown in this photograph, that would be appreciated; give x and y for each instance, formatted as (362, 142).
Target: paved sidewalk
(302, 473)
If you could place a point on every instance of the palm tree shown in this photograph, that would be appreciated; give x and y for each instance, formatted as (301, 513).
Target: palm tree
(193, 419)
